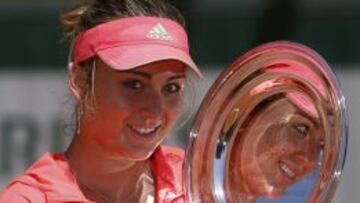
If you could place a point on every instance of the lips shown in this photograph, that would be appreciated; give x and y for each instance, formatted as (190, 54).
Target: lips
(286, 170)
(145, 131)
(295, 167)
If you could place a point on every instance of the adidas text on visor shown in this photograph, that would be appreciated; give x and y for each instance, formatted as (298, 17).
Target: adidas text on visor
(131, 42)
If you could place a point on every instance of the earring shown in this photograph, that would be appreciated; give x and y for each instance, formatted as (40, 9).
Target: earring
(79, 114)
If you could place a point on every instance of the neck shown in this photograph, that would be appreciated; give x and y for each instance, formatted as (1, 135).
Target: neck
(96, 170)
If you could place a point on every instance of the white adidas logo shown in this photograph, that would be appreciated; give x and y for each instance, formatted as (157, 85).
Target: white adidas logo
(159, 32)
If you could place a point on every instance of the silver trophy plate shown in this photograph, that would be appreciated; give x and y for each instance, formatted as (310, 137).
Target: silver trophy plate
(272, 128)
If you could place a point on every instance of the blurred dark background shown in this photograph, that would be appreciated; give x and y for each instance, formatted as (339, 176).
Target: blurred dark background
(31, 35)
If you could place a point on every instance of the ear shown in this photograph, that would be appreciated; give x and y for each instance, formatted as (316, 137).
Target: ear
(77, 82)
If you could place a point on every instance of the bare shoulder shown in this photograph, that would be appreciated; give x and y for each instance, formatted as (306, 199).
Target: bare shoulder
(21, 193)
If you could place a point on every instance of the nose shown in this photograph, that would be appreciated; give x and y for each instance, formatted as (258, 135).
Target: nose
(152, 105)
(313, 153)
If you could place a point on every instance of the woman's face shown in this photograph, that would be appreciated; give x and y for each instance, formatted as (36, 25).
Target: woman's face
(281, 146)
(134, 110)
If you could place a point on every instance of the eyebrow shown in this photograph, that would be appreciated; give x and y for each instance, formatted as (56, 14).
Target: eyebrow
(176, 77)
(148, 76)
(142, 74)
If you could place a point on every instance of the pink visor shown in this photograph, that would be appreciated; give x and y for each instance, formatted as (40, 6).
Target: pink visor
(302, 70)
(134, 41)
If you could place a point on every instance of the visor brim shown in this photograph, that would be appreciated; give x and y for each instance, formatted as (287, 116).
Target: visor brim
(133, 56)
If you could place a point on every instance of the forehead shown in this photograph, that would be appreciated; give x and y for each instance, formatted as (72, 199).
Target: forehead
(155, 69)
(165, 66)
(282, 110)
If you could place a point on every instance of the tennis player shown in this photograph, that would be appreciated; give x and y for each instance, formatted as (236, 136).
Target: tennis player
(127, 72)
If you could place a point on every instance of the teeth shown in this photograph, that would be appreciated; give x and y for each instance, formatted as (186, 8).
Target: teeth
(287, 170)
(158, 123)
(147, 130)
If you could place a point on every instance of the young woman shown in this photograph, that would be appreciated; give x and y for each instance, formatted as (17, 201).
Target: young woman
(127, 74)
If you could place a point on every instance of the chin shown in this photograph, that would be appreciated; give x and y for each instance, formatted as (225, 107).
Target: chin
(138, 155)
(141, 155)
(268, 191)
(139, 158)
(274, 194)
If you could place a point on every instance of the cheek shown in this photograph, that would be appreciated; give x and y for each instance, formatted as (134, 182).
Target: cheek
(311, 151)
(174, 106)
(113, 100)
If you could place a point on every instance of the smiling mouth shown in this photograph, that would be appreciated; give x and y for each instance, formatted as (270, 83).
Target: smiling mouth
(286, 170)
(145, 131)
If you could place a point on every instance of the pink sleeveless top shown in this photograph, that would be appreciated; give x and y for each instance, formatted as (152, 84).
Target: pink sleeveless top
(50, 180)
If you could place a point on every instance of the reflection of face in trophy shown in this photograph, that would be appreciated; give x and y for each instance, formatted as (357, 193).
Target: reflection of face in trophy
(271, 128)
(280, 145)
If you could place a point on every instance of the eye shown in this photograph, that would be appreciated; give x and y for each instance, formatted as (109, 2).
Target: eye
(133, 84)
(301, 128)
(172, 88)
